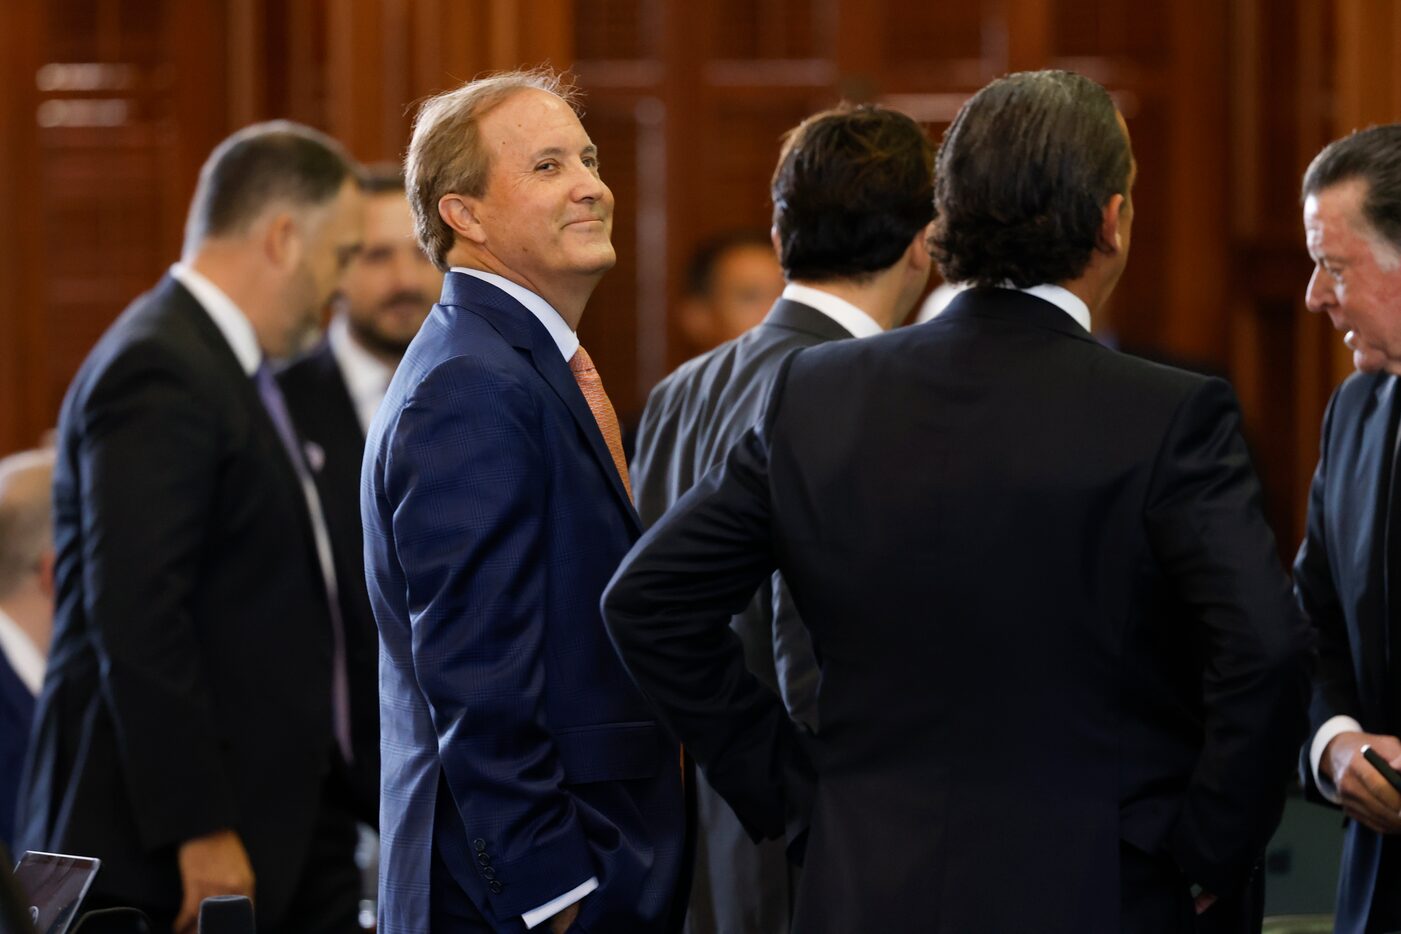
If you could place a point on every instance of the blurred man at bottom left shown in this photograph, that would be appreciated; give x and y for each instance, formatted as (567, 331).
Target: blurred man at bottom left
(193, 731)
(26, 610)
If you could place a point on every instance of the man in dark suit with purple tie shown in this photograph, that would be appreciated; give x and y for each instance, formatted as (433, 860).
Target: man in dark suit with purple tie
(193, 730)
(525, 781)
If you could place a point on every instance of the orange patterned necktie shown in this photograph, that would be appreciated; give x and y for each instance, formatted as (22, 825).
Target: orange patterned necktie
(591, 385)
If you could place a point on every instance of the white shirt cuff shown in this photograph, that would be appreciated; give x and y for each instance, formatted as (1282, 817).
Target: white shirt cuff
(545, 912)
(1339, 724)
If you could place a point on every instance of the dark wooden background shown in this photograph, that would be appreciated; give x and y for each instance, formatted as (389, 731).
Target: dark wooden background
(107, 108)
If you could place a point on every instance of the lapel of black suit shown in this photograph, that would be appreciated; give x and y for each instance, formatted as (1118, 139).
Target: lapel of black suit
(795, 316)
(1360, 465)
(515, 323)
(330, 417)
(241, 384)
(1379, 439)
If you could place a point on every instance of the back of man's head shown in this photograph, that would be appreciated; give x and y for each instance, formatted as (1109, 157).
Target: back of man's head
(279, 163)
(1022, 179)
(446, 155)
(1372, 156)
(26, 526)
(853, 186)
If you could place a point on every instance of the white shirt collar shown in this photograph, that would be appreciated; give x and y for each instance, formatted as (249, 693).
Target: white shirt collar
(24, 656)
(565, 339)
(856, 321)
(366, 376)
(227, 317)
(1062, 298)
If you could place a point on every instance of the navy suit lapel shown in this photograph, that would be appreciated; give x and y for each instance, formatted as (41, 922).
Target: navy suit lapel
(1365, 492)
(514, 322)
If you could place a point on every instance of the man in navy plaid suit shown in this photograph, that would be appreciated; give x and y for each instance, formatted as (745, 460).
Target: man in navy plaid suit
(525, 782)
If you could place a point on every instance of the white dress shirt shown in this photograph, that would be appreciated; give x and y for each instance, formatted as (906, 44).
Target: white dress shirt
(1331, 728)
(227, 316)
(24, 656)
(366, 376)
(853, 319)
(567, 342)
(1064, 299)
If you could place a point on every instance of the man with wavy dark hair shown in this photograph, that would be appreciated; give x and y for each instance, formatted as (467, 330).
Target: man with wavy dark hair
(1063, 680)
(852, 204)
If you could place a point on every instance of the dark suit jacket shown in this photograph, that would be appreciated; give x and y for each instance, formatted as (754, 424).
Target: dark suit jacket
(1340, 581)
(188, 685)
(325, 416)
(516, 749)
(1059, 657)
(692, 419)
(16, 716)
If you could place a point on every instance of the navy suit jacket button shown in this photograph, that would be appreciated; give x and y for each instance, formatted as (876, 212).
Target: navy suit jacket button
(484, 859)
(495, 887)
(479, 844)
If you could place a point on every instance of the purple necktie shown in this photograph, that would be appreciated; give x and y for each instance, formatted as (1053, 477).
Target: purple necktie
(340, 682)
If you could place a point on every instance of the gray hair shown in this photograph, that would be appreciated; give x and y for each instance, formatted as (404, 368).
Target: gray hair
(446, 155)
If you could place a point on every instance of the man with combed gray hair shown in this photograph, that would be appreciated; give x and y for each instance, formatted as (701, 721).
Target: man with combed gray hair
(525, 781)
(1347, 576)
(26, 609)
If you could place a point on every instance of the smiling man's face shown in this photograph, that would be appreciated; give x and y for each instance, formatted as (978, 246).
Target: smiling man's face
(546, 214)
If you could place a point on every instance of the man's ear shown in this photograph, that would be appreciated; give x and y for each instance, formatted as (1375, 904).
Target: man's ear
(917, 254)
(282, 240)
(1108, 240)
(461, 213)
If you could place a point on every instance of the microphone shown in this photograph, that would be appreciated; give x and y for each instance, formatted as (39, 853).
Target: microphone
(226, 914)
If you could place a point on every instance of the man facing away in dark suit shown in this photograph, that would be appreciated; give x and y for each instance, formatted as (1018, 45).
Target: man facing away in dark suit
(26, 610)
(1062, 677)
(1348, 569)
(853, 196)
(193, 730)
(525, 782)
(332, 393)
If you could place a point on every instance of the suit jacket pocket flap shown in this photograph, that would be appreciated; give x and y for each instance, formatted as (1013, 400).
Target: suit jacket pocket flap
(610, 752)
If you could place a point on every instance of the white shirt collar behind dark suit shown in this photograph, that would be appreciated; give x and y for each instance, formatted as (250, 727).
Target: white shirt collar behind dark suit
(227, 317)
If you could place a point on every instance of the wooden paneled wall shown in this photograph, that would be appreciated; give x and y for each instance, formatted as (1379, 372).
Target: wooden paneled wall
(108, 107)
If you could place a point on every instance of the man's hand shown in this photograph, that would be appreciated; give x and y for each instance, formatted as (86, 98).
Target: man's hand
(561, 922)
(1367, 797)
(215, 864)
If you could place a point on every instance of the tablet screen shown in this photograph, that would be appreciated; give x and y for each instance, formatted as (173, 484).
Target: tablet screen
(54, 886)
